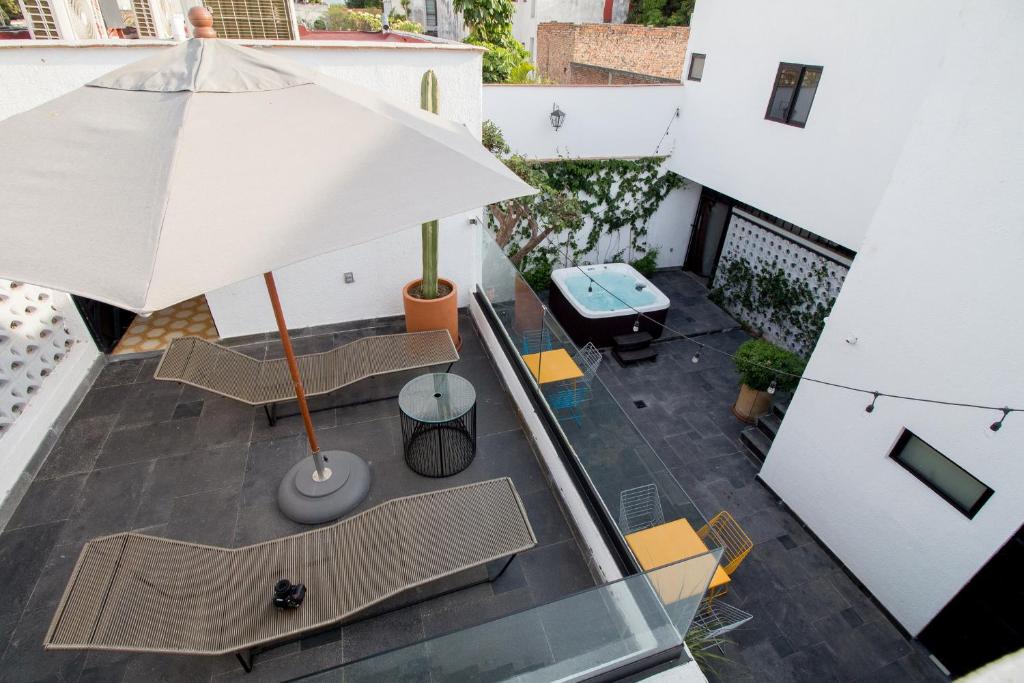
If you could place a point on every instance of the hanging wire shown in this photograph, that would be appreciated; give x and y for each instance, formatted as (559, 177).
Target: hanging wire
(995, 426)
(675, 115)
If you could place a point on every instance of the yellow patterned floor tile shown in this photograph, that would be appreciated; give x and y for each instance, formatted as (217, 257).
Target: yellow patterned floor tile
(154, 333)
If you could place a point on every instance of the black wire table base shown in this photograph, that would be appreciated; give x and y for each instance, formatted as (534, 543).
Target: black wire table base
(439, 449)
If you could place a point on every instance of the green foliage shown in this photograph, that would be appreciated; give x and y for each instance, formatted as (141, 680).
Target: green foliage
(493, 139)
(340, 18)
(759, 363)
(619, 197)
(11, 9)
(485, 16)
(792, 304)
(406, 26)
(369, 5)
(490, 27)
(661, 12)
(505, 56)
(538, 276)
(648, 263)
(429, 101)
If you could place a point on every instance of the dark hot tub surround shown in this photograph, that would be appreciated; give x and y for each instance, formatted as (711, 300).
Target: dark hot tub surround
(596, 303)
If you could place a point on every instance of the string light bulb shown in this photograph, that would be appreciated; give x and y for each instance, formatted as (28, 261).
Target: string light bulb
(771, 387)
(870, 408)
(996, 426)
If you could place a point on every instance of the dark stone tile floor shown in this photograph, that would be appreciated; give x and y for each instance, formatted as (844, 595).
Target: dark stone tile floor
(811, 620)
(179, 462)
(690, 312)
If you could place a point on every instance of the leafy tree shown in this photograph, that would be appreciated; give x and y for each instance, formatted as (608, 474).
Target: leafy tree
(661, 12)
(340, 18)
(534, 218)
(9, 9)
(490, 27)
(372, 5)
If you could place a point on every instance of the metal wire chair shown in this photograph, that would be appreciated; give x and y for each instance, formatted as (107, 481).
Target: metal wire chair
(537, 341)
(713, 619)
(640, 508)
(724, 531)
(568, 395)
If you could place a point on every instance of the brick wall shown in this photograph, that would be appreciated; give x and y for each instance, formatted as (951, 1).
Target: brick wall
(623, 47)
(588, 74)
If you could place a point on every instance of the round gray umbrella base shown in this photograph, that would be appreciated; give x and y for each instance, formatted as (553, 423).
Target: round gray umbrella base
(303, 499)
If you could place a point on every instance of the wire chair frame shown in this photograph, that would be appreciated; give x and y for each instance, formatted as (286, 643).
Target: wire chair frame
(715, 618)
(537, 341)
(568, 395)
(724, 531)
(640, 508)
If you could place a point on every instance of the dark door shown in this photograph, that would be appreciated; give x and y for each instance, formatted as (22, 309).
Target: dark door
(106, 323)
(986, 618)
(712, 220)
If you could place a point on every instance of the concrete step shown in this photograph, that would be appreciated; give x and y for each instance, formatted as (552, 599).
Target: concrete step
(757, 442)
(779, 409)
(636, 356)
(633, 341)
(769, 424)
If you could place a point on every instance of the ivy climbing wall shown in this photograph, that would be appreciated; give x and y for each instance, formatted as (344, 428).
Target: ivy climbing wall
(34, 337)
(777, 284)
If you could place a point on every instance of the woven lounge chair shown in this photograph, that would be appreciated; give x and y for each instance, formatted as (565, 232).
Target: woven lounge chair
(266, 383)
(137, 593)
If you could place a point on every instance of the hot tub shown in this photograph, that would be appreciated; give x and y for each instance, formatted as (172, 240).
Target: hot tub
(596, 312)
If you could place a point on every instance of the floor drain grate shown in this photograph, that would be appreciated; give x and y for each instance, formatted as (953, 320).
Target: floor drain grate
(640, 404)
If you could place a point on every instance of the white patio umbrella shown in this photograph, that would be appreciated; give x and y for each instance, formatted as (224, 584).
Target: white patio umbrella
(190, 170)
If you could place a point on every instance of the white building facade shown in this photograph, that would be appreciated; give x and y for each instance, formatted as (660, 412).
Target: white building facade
(910, 155)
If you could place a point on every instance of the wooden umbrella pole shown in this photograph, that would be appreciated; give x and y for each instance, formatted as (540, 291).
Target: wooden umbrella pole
(293, 368)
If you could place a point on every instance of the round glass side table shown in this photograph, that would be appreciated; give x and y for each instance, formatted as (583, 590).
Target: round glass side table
(438, 413)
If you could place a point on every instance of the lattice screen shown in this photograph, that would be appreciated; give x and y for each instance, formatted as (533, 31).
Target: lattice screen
(144, 18)
(34, 337)
(251, 19)
(761, 247)
(39, 15)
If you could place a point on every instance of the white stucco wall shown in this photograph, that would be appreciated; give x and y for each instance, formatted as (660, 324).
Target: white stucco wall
(947, 237)
(602, 122)
(879, 60)
(313, 293)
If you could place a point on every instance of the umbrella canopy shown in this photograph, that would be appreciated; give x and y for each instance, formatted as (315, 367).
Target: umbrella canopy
(187, 172)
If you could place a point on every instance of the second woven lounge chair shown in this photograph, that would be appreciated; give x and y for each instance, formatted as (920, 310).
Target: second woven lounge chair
(137, 593)
(266, 383)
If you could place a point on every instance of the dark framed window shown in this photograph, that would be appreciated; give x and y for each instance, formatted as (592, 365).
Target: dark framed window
(696, 67)
(954, 484)
(795, 85)
(431, 11)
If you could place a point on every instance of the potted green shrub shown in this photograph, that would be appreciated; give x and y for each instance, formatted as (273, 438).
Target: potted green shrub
(764, 368)
(431, 303)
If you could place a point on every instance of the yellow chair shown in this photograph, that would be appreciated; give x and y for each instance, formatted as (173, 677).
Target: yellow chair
(725, 532)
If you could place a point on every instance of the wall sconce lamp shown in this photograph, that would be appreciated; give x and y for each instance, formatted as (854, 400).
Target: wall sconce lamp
(557, 117)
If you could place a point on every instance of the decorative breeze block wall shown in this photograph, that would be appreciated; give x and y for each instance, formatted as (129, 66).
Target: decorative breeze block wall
(763, 247)
(35, 336)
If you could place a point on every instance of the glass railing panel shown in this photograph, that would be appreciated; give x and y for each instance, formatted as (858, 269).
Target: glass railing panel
(575, 638)
(632, 480)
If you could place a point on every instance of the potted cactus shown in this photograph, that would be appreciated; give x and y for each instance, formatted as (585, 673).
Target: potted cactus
(431, 303)
(764, 369)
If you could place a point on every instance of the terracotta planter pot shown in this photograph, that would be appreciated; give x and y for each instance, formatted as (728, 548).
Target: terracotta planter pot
(528, 312)
(441, 313)
(751, 404)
